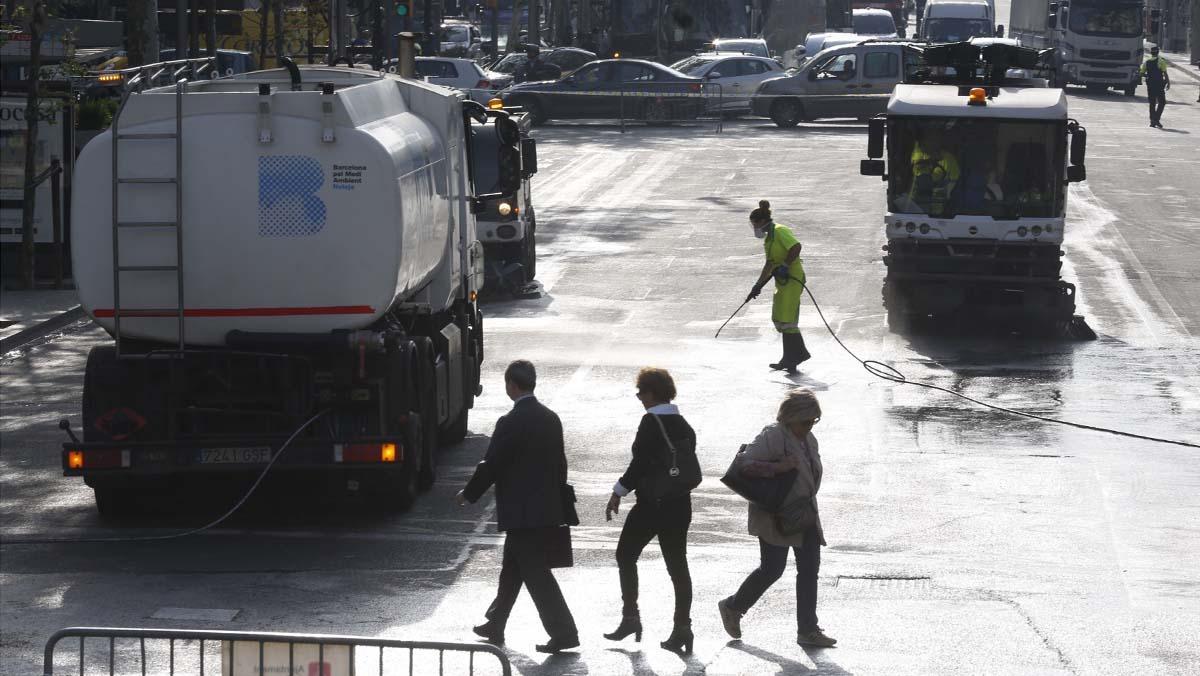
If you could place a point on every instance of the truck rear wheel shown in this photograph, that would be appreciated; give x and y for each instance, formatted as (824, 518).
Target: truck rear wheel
(786, 113)
(529, 250)
(426, 443)
(115, 502)
(396, 491)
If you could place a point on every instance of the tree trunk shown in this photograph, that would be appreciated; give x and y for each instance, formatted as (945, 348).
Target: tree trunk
(210, 37)
(37, 23)
(278, 30)
(1194, 40)
(142, 25)
(514, 27)
(264, 17)
(535, 22)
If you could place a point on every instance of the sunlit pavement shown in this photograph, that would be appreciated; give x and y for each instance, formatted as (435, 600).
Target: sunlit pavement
(960, 540)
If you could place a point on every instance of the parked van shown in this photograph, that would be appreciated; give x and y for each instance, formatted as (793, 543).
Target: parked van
(957, 20)
(853, 81)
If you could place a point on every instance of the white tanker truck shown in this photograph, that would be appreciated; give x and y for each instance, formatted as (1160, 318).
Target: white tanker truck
(978, 163)
(272, 247)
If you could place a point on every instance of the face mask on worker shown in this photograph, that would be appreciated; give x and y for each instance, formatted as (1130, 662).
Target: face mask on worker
(760, 231)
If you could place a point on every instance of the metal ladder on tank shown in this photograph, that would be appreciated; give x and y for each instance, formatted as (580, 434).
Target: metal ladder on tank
(176, 225)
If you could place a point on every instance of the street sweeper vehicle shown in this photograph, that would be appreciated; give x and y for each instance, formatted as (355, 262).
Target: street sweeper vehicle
(978, 160)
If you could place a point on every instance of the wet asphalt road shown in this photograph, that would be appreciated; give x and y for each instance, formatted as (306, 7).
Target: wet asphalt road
(960, 540)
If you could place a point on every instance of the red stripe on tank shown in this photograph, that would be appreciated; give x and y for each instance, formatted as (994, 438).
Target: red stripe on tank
(244, 312)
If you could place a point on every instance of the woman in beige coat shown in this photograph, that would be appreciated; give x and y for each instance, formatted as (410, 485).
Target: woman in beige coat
(786, 445)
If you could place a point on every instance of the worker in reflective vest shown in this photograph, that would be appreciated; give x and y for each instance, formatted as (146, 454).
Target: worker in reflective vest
(1158, 81)
(935, 173)
(784, 265)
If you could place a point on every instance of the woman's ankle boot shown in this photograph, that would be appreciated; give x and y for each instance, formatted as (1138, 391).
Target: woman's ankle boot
(630, 624)
(681, 638)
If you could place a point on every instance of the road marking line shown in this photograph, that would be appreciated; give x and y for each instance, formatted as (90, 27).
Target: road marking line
(196, 614)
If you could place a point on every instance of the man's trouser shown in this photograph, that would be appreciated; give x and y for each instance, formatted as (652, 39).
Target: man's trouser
(524, 564)
(1158, 101)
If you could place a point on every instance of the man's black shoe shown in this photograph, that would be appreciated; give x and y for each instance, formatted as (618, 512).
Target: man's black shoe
(490, 632)
(556, 645)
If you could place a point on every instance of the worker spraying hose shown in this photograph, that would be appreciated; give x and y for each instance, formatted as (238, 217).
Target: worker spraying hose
(783, 264)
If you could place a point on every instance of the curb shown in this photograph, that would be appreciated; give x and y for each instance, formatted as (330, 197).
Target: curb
(25, 336)
(1184, 69)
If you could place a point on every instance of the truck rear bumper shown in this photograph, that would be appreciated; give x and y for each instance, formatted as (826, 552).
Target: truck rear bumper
(943, 277)
(117, 461)
(1098, 73)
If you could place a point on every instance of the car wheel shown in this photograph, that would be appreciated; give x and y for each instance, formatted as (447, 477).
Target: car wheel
(656, 112)
(786, 112)
(535, 110)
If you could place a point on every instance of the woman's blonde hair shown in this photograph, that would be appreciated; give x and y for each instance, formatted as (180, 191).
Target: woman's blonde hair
(657, 383)
(800, 405)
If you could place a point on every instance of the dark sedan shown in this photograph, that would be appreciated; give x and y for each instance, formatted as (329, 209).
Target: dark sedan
(568, 60)
(612, 88)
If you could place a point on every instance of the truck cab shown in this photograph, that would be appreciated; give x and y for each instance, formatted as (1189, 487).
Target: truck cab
(957, 20)
(1096, 43)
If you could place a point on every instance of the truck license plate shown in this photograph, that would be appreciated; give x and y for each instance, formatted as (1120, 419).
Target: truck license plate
(220, 456)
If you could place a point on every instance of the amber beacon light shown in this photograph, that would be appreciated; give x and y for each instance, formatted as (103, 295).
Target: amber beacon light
(978, 97)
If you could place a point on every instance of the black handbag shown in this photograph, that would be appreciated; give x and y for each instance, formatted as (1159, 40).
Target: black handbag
(796, 517)
(557, 547)
(570, 515)
(766, 492)
(679, 471)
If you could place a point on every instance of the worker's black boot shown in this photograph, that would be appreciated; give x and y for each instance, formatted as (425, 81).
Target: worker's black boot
(782, 364)
(794, 351)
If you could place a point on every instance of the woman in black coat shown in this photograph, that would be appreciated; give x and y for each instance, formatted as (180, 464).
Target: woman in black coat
(667, 518)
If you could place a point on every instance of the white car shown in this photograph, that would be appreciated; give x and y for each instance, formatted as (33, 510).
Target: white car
(868, 23)
(737, 76)
(461, 74)
(750, 46)
(817, 42)
(876, 23)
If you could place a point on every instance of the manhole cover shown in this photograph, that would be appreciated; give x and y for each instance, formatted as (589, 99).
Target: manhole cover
(884, 586)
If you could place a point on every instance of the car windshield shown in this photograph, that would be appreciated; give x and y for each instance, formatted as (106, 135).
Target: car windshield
(435, 69)
(873, 24)
(1123, 20)
(956, 30)
(691, 65)
(484, 167)
(455, 34)
(977, 167)
(509, 64)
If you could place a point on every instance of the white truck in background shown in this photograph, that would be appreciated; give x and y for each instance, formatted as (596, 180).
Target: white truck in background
(1096, 43)
(283, 254)
(957, 20)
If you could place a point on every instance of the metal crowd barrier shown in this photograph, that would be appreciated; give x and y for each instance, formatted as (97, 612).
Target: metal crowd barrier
(671, 103)
(235, 653)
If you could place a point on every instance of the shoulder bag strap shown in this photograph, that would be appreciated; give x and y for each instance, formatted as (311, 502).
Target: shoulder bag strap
(812, 466)
(674, 471)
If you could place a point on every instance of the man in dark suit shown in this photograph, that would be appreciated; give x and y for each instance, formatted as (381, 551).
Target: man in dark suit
(528, 464)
